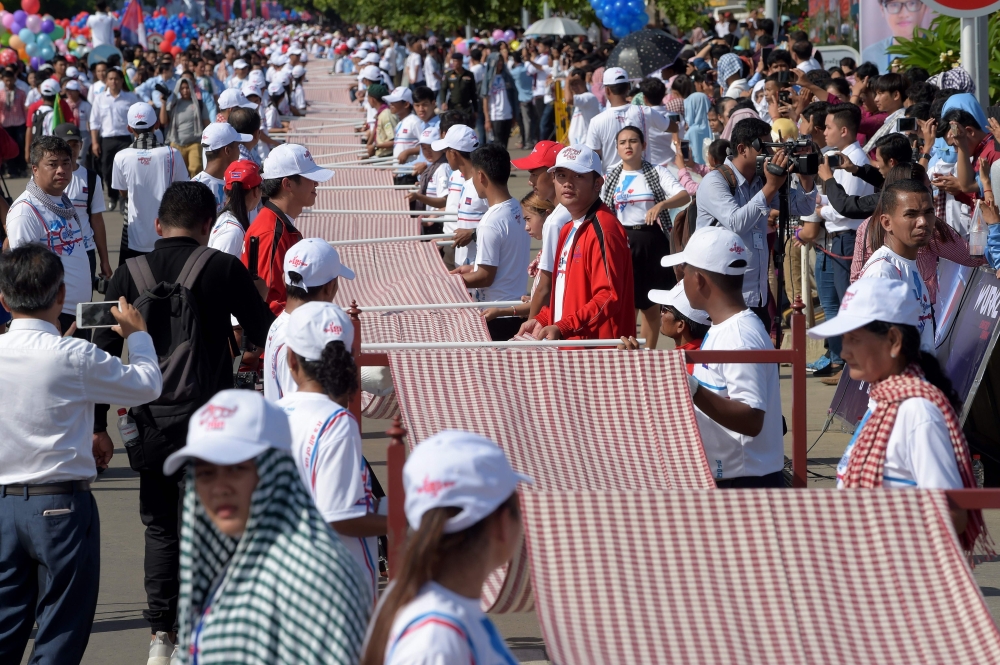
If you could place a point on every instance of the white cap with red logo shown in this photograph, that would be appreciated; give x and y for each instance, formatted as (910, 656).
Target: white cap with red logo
(314, 325)
(315, 263)
(141, 116)
(220, 134)
(290, 159)
(712, 248)
(455, 469)
(233, 427)
(868, 300)
(579, 159)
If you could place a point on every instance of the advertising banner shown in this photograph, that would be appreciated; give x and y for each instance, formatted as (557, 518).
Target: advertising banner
(882, 21)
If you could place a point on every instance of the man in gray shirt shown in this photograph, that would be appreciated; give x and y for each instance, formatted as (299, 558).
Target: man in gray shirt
(745, 208)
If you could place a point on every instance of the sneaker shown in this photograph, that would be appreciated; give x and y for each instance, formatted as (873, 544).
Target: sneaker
(161, 649)
(829, 370)
(818, 364)
(833, 379)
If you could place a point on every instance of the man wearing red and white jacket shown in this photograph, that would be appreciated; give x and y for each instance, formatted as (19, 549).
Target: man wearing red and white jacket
(592, 294)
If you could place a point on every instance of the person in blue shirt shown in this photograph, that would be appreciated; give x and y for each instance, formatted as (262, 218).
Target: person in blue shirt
(165, 77)
(525, 119)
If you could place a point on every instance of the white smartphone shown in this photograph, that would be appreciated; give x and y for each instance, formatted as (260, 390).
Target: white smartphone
(95, 314)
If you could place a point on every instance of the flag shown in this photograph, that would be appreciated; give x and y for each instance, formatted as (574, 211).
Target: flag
(265, 9)
(57, 114)
(128, 81)
(133, 26)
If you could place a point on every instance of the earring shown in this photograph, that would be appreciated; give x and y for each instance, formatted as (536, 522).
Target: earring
(892, 354)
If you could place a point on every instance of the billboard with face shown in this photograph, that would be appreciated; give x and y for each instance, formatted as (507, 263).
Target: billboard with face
(882, 21)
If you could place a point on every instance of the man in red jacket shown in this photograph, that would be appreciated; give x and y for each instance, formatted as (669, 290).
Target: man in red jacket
(592, 294)
(290, 179)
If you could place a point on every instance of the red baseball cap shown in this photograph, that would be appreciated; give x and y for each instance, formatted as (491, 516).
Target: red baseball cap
(544, 154)
(245, 171)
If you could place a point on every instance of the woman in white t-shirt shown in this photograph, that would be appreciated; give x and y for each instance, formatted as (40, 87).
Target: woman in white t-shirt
(535, 210)
(242, 185)
(463, 509)
(640, 194)
(910, 436)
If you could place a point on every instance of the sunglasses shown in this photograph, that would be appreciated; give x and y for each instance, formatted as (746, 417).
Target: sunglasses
(894, 6)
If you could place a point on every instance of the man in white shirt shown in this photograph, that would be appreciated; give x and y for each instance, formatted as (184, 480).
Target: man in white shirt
(802, 54)
(109, 130)
(603, 130)
(415, 63)
(43, 214)
(142, 172)
(406, 145)
(222, 147)
(48, 517)
(503, 244)
(458, 145)
(585, 108)
(737, 405)
(101, 26)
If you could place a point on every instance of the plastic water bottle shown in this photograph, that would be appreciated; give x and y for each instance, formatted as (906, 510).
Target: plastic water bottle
(978, 471)
(977, 234)
(127, 428)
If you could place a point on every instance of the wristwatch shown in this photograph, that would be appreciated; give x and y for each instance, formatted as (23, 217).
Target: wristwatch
(926, 155)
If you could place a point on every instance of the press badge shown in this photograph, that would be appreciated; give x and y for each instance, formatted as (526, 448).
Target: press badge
(758, 240)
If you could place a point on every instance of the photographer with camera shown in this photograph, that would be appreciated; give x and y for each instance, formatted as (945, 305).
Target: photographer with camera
(740, 197)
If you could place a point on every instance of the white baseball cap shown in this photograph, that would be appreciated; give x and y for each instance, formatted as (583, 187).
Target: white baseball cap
(314, 325)
(141, 116)
(291, 159)
(871, 299)
(579, 159)
(72, 72)
(677, 299)
(316, 263)
(430, 135)
(615, 75)
(360, 53)
(257, 76)
(712, 248)
(459, 137)
(240, 63)
(275, 88)
(49, 88)
(371, 73)
(233, 427)
(455, 469)
(232, 98)
(298, 70)
(295, 50)
(371, 59)
(251, 89)
(220, 134)
(73, 85)
(400, 94)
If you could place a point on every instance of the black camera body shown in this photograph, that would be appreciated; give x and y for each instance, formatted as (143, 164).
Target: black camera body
(802, 163)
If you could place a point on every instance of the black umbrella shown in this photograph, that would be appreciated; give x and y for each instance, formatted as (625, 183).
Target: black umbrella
(645, 51)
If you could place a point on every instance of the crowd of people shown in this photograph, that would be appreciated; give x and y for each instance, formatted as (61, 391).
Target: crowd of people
(660, 214)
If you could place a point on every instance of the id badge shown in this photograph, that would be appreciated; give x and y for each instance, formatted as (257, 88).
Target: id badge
(758, 240)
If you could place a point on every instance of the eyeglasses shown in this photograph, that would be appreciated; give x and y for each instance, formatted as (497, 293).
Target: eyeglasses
(895, 6)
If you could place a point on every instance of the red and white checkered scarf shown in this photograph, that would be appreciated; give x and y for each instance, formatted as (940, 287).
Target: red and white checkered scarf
(866, 467)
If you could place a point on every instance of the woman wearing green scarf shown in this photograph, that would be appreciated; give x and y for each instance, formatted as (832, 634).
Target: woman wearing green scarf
(263, 578)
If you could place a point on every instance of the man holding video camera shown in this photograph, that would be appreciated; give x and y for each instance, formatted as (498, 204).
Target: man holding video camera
(740, 197)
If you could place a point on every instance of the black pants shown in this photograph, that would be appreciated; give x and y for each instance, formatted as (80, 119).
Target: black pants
(501, 131)
(503, 328)
(17, 167)
(66, 320)
(124, 253)
(111, 146)
(160, 508)
(776, 479)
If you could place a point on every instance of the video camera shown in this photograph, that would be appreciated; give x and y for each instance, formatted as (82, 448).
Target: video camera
(804, 163)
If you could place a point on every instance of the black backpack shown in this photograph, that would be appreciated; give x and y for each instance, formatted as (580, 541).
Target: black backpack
(171, 314)
(38, 123)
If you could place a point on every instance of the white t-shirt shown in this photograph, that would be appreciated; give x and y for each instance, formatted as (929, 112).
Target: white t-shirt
(886, 263)
(456, 184)
(919, 452)
(415, 68)
(278, 381)
(477, 72)
(853, 186)
(227, 235)
(633, 197)
(217, 186)
(470, 210)
(146, 175)
(30, 221)
(550, 237)
(732, 455)
(101, 29)
(407, 135)
(77, 193)
(585, 108)
(326, 446)
(560, 281)
(432, 73)
(603, 131)
(440, 627)
(499, 103)
(439, 183)
(541, 74)
(272, 117)
(503, 242)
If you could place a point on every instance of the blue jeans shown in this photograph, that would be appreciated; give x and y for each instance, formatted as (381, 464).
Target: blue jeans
(66, 550)
(833, 276)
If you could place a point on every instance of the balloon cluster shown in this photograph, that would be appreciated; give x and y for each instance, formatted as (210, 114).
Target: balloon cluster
(30, 37)
(503, 35)
(621, 16)
(177, 31)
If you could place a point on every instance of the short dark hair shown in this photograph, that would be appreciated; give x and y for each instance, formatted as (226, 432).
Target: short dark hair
(766, 25)
(493, 160)
(916, 75)
(719, 150)
(962, 117)
(653, 90)
(891, 83)
(798, 36)
(453, 117)
(919, 110)
(186, 205)
(718, 51)
(245, 121)
(747, 131)
(850, 63)
(842, 87)
(920, 92)
(894, 146)
(780, 56)
(802, 49)
(47, 145)
(682, 85)
(476, 54)
(866, 70)
(102, 6)
(423, 94)
(30, 276)
(697, 330)
(892, 193)
(846, 115)
(816, 113)
(631, 128)
(620, 89)
(271, 187)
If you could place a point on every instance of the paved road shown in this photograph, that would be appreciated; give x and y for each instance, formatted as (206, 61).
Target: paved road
(120, 634)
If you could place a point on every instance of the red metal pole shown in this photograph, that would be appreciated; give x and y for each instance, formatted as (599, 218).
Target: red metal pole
(395, 458)
(799, 461)
(354, 313)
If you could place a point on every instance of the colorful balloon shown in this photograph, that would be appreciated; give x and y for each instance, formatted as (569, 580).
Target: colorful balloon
(509, 35)
(34, 23)
(498, 35)
(31, 49)
(7, 20)
(169, 36)
(31, 6)
(27, 36)
(57, 32)
(48, 25)
(8, 57)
